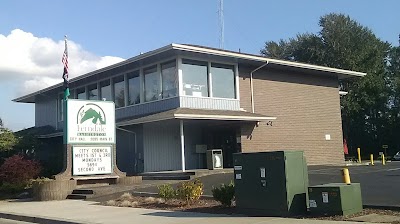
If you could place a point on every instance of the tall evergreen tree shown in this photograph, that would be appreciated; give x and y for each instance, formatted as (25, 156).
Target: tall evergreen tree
(344, 43)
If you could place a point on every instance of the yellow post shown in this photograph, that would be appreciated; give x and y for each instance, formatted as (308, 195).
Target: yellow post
(359, 155)
(346, 176)
(383, 159)
(372, 159)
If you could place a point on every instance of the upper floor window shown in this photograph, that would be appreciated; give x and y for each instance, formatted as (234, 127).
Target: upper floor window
(133, 88)
(152, 84)
(93, 92)
(119, 91)
(195, 78)
(169, 79)
(223, 81)
(105, 90)
(81, 93)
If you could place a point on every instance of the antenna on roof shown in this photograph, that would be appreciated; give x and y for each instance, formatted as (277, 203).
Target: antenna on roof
(221, 23)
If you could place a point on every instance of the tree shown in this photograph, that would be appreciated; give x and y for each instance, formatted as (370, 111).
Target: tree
(346, 44)
(7, 138)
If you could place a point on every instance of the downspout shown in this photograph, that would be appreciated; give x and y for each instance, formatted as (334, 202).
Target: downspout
(251, 85)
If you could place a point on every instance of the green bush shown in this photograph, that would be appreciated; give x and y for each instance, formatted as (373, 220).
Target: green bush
(166, 191)
(224, 194)
(12, 188)
(190, 190)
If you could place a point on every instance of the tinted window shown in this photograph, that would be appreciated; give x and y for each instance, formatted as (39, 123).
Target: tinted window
(152, 84)
(223, 81)
(119, 91)
(105, 90)
(134, 88)
(194, 77)
(169, 79)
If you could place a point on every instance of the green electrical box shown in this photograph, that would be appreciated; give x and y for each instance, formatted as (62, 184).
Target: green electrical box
(335, 199)
(271, 183)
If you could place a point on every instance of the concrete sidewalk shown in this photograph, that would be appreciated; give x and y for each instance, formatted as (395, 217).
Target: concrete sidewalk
(71, 211)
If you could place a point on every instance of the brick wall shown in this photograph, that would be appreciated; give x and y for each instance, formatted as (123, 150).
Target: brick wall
(307, 107)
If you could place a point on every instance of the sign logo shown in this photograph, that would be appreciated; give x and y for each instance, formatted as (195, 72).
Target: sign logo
(91, 111)
(91, 120)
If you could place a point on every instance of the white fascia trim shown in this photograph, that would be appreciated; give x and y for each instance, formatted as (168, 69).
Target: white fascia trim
(263, 59)
(222, 117)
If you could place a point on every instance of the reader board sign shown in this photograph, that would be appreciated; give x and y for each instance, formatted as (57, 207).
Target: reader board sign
(90, 122)
(88, 160)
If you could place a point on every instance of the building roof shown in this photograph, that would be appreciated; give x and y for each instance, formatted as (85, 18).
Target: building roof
(30, 98)
(197, 114)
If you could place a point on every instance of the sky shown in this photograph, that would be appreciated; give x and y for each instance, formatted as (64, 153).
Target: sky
(104, 32)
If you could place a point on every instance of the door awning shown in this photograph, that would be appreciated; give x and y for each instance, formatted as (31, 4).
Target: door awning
(198, 114)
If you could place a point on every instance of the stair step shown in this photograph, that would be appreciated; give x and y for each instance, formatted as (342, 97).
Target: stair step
(82, 191)
(173, 174)
(77, 196)
(180, 177)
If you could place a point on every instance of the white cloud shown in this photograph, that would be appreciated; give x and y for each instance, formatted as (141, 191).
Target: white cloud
(36, 61)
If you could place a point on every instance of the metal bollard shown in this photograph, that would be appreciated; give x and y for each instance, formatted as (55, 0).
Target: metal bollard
(346, 176)
(372, 159)
(359, 155)
(383, 159)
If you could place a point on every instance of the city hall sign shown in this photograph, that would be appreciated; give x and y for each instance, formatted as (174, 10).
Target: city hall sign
(90, 122)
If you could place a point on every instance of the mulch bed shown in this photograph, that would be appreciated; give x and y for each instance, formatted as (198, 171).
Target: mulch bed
(214, 207)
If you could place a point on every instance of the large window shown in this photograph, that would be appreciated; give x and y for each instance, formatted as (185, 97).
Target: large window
(105, 90)
(169, 79)
(152, 84)
(93, 92)
(81, 93)
(223, 81)
(133, 88)
(195, 78)
(119, 91)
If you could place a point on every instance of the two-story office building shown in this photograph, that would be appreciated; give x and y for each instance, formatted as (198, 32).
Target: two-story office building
(175, 101)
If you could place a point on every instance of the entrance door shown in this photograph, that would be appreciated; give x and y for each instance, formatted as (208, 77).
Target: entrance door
(225, 139)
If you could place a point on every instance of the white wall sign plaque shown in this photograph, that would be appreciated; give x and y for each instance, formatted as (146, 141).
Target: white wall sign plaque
(90, 122)
(88, 160)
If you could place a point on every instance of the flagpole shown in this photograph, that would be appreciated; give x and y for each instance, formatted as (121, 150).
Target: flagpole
(66, 89)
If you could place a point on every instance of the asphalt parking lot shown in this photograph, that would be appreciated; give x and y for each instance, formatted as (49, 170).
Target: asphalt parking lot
(379, 184)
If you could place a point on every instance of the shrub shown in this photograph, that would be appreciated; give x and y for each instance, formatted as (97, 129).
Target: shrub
(111, 203)
(224, 194)
(39, 180)
(126, 196)
(190, 190)
(166, 192)
(11, 188)
(134, 204)
(150, 200)
(18, 171)
(125, 203)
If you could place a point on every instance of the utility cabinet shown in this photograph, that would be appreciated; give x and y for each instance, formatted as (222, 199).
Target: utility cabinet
(271, 183)
(335, 199)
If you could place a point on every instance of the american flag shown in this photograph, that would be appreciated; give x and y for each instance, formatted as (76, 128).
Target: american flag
(64, 60)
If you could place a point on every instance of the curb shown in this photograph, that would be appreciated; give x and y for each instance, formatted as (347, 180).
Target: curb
(383, 207)
(35, 219)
